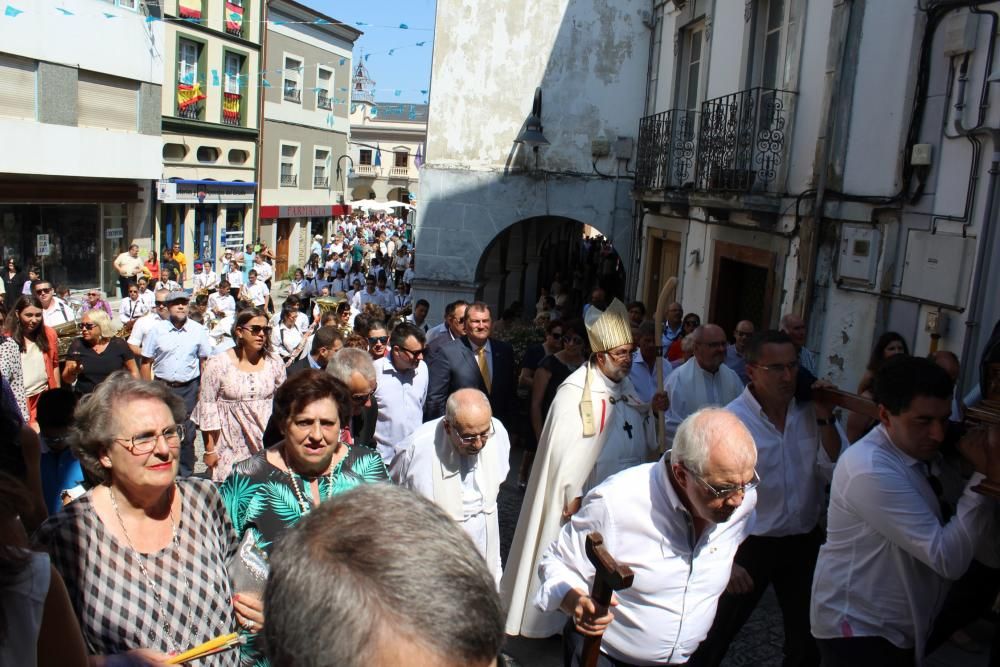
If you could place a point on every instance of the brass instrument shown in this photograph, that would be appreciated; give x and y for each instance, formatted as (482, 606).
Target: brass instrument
(66, 332)
(330, 304)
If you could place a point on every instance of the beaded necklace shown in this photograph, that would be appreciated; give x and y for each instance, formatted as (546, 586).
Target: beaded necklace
(303, 504)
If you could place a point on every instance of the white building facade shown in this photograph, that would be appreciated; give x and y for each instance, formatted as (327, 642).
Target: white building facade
(80, 135)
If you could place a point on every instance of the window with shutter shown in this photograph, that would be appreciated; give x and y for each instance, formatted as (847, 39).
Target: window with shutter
(17, 87)
(106, 101)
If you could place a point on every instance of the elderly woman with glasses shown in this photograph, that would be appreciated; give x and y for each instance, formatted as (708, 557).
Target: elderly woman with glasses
(96, 354)
(237, 391)
(272, 490)
(144, 553)
(95, 301)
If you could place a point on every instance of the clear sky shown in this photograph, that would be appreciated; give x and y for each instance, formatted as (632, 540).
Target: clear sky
(408, 68)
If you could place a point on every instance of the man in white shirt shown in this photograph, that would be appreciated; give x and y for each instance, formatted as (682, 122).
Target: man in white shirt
(144, 324)
(459, 462)
(146, 294)
(891, 545)
(369, 295)
(673, 327)
(132, 307)
(222, 304)
(677, 523)
(402, 389)
(255, 291)
(419, 315)
(797, 447)
(128, 265)
(55, 311)
(205, 279)
(385, 295)
(702, 380)
(643, 374)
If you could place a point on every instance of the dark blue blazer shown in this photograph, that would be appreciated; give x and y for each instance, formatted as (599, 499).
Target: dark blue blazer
(454, 366)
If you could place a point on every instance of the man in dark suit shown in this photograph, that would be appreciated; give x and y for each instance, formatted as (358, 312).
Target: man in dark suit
(451, 329)
(325, 343)
(473, 361)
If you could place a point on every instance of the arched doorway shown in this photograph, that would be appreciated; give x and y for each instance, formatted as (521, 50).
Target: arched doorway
(362, 192)
(535, 253)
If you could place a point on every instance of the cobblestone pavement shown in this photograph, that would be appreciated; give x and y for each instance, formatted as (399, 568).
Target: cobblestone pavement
(758, 643)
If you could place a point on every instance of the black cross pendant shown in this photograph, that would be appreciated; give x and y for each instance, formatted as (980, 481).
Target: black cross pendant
(628, 429)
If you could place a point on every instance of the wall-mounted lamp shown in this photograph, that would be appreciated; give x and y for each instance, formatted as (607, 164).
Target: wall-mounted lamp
(532, 135)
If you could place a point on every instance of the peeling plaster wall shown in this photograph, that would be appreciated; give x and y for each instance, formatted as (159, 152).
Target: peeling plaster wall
(590, 58)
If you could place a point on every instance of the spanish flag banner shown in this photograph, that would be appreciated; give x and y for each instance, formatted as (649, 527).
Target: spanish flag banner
(234, 18)
(189, 9)
(231, 106)
(188, 94)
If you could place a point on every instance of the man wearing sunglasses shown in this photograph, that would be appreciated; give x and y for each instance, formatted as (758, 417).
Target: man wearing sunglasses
(402, 388)
(55, 311)
(797, 446)
(459, 462)
(678, 523)
(143, 325)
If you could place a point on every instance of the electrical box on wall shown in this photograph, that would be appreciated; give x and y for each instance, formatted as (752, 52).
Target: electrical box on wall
(600, 147)
(937, 267)
(859, 251)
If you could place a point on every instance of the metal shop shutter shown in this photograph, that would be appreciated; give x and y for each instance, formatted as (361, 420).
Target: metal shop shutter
(105, 101)
(17, 87)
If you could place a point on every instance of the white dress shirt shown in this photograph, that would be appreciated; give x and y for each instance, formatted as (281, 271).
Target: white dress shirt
(400, 396)
(130, 309)
(235, 280)
(227, 304)
(285, 339)
(206, 281)
(670, 607)
(793, 466)
(57, 313)
(256, 292)
(148, 297)
(883, 569)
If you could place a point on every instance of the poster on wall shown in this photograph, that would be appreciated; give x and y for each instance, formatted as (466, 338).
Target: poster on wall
(42, 248)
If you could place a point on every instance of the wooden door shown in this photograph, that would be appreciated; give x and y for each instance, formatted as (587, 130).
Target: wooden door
(664, 252)
(281, 250)
(743, 280)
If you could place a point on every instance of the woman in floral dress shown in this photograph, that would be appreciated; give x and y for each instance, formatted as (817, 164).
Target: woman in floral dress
(237, 388)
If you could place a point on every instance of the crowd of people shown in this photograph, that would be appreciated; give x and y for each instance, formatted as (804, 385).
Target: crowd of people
(714, 469)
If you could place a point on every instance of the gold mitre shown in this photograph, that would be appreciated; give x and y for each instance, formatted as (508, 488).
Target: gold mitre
(608, 329)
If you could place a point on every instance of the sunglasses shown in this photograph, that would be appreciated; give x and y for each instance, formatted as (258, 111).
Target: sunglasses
(572, 340)
(43, 290)
(161, 304)
(414, 353)
(87, 326)
(257, 329)
(378, 340)
(362, 398)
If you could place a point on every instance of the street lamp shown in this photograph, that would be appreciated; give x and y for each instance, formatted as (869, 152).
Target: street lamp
(532, 135)
(350, 172)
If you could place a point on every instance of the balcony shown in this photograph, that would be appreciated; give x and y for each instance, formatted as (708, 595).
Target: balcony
(666, 151)
(365, 170)
(234, 29)
(735, 144)
(289, 180)
(190, 112)
(741, 141)
(293, 94)
(323, 101)
(321, 182)
(399, 172)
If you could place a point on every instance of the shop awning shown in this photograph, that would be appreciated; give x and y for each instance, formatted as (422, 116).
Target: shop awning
(227, 184)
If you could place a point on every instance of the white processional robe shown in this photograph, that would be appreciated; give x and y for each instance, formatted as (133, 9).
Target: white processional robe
(465, 487)
(566, 466)
(691, 388)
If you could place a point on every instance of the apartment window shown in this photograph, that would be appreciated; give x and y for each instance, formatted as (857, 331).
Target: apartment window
(235, 14)
(289, 166)
(691, 61)
(401, 159)
(190, 94)
(17, 87)
(232, 98)
(293, 80)
(321, 178)
(107, 102)
(324, 84)
(770, 36)
(365, 156)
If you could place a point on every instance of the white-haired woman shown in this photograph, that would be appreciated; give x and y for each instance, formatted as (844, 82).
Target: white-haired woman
(96, 354)
(144, 553)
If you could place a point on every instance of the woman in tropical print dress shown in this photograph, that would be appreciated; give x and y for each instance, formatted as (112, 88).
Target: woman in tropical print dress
(270, 491)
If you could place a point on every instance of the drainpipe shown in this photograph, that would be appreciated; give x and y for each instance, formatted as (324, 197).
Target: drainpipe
(259, 167)
(977, 297)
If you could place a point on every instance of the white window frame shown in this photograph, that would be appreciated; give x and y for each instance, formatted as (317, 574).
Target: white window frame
(328, 88)
(231, 83)
(760, 35)
(131, 5)
(183, 64)
(324, 163)
(291, 74)
(293, 161)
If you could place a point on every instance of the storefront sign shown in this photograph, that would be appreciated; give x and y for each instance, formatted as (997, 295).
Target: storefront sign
(271, 212)
(114, 233)
(42, 248)
(181, 192)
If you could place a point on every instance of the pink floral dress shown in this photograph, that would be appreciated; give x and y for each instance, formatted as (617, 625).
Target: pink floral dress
(237, 404)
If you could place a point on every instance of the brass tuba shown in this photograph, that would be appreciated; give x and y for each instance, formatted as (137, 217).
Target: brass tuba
(329, 304)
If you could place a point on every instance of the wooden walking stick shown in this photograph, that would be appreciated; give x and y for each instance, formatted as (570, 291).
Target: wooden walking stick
(662, 303)
(609, 576)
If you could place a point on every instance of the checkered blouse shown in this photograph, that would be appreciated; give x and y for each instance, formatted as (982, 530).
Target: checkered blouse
(117, 610)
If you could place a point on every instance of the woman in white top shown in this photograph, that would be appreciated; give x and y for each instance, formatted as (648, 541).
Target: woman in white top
(287, 338)
(298, 283)
(133, 307)
(235, 275)
(168, 281)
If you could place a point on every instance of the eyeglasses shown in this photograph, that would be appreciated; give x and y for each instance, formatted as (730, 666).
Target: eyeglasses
(621, 355)
(363, 398)
(793, 367)
(473, 438)
(727, 491)
(144, 443)
(257, 329)
(376, 340)
(414, 353)
(87, 326)
(43, 290)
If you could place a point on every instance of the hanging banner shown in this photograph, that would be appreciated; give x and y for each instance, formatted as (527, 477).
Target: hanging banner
(234, 18)
(189, 9)
(189, 94)
(231, 106)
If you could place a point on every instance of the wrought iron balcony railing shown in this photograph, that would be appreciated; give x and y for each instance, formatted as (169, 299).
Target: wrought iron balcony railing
(323, 101)
(666, 151)
(190, 112)
(742, 140)
(289, 180)
(321, 181)
(293, 94)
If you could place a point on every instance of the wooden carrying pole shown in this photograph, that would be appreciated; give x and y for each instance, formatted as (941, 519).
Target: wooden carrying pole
(609, 577)
(662, 303)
